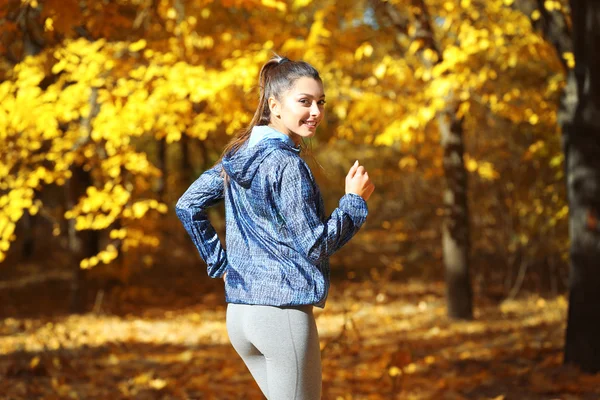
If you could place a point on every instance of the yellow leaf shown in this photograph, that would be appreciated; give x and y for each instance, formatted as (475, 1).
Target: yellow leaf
(410, 368)
(137, 46)
(471, 165)
(408, 162)
(274, 4)
(569, 57)
(486, 170)
(49, 24)
(142, 379)
(534, 119)
(301, 3)
(171, 13)
(157, 384)
(35, 361)
(364, 50)
(4, 245)
(380, 70)
(84, 264)
(414, 47)
(541, 303)
(139, 209)
(550, 5)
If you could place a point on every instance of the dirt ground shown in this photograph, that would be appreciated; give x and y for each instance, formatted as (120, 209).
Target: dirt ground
(165, 338)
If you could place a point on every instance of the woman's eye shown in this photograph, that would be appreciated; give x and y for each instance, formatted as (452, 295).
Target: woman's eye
(322, 102)
(304, 101)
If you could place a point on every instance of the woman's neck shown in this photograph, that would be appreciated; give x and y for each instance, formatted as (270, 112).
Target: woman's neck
(286, 132)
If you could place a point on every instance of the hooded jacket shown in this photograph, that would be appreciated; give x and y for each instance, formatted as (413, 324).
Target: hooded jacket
(278, 237)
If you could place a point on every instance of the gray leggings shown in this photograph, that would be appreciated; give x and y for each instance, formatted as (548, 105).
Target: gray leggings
(280, 347)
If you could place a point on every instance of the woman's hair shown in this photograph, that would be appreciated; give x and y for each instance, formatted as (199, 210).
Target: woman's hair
(278, 75)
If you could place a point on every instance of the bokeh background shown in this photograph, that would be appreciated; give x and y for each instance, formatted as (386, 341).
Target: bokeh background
(110, 109)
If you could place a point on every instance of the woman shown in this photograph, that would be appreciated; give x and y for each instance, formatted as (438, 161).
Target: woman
(278, 238)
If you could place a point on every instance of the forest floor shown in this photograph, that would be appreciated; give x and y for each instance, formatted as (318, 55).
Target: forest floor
(379, 340)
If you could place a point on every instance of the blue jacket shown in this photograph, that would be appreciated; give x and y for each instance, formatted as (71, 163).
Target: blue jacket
(278, 237)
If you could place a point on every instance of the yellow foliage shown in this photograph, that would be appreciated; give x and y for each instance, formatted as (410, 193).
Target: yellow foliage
(408, 162)
(279, 5)
(570, 59)
(301, 3)
(484, 169)
(364, 50)
(139, 45)
(101, 98)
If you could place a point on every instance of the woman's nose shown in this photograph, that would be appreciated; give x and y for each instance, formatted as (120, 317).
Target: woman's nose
(315, 110)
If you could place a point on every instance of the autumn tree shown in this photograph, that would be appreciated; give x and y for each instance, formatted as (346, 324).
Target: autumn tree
(581, 130)
(132, 93)
(459, 70)
(455, 230)
(572, 29)
(102, 78)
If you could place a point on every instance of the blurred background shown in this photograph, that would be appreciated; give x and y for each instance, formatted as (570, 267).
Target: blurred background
(110, 109)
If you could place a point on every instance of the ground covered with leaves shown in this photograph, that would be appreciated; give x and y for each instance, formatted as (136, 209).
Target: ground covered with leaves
(379, 341)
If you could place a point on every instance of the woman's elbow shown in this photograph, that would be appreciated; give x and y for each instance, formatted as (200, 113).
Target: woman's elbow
(182, 203)
(182, 210)
(185, 204)
(315, 255)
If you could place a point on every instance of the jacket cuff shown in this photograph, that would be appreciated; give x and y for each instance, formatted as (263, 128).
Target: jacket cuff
(356, 207)
(218, 268)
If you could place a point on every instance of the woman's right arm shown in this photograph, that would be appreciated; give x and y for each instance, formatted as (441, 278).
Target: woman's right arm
(206, 191)
(298, 201)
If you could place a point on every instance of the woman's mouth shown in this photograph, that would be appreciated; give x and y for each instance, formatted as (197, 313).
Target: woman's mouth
(311, 124)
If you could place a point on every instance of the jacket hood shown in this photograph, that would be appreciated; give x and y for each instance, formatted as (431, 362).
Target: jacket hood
(242, 165)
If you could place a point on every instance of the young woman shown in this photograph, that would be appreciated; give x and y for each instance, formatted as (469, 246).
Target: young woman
(277, 234)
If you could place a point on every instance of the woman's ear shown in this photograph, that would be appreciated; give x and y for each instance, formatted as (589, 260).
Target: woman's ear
(274, 107)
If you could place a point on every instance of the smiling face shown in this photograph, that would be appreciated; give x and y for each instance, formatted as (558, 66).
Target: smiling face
(299, 110)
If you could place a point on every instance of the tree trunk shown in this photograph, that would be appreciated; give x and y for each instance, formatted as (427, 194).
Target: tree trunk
(581, 134)
(81, 244)
(28, 223)
(186, 165)
(204, 151)
(455, 231)
(33, 39)
(162, 165)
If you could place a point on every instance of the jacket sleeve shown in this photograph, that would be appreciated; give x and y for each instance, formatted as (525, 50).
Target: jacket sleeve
(299, 201)
(206, 191)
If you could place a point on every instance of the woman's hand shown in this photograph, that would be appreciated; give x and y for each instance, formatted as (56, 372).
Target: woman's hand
(358, 182)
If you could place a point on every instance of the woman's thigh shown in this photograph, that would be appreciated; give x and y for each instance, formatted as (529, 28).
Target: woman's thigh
(252, 357)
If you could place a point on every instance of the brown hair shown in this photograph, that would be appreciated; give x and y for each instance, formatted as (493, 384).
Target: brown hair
(276, 77)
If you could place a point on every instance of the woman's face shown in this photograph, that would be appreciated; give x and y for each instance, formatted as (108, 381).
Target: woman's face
(299, 110)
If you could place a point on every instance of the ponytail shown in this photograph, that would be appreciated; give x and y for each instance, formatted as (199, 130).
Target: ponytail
(262, 115)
